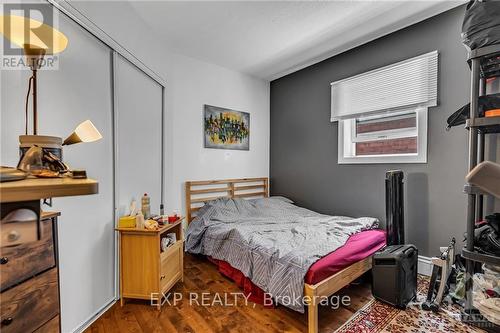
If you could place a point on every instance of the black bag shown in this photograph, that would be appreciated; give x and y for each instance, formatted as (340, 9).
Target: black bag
(481, 25)
(494, 221)
(486, 240)
(487, 102)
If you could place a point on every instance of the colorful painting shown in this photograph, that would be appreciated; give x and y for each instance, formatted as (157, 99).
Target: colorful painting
(226, 129)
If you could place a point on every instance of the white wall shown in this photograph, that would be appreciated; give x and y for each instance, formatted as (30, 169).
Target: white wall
(190, 84)
(194, 83)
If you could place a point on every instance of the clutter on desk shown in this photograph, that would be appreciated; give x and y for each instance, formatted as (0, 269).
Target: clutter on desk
(145, 206)
(161, 219)
(8, 174)
(133, 208)
(126, 222)
(173, 217)
(139, 220)
(78, 174)
(167, 241)
(151, 224)
(486, 293)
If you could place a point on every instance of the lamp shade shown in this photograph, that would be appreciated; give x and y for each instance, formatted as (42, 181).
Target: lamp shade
(85, 132)
(51, 40)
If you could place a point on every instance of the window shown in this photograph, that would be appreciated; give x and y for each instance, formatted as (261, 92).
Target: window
(382, 114)
(392, 137)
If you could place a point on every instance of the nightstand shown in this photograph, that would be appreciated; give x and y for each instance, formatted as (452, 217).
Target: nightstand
(147, 272)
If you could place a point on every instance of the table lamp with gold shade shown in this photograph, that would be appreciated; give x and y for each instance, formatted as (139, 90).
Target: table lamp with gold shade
(46, 41)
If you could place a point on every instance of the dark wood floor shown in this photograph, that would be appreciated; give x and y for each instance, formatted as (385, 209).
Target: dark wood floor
(201, 276)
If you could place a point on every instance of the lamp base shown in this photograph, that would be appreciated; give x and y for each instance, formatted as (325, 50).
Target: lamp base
(52, 144)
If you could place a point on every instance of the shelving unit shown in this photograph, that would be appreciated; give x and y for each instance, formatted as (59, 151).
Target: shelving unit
(485, 125)
(485, 64)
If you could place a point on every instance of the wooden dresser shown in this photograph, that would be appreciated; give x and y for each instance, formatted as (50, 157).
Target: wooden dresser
(146, 272)
(29, 273)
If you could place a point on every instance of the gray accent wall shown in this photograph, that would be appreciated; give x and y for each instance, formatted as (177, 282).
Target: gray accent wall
(304, 142)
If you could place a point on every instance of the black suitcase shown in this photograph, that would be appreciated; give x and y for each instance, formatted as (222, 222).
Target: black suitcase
(395, 275)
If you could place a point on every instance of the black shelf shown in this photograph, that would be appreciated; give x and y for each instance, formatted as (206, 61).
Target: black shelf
(472, 189)
(485, 125)
(490, 67)
(489, 60)
(484, 63)
(481, 257)
(484, 51)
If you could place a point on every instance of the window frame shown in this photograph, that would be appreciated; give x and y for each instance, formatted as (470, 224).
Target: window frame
(347, 141)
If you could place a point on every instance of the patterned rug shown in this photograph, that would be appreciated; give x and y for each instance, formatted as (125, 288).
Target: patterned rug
(378, 317)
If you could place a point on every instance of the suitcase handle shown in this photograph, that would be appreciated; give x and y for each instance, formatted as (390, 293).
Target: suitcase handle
(412, 249)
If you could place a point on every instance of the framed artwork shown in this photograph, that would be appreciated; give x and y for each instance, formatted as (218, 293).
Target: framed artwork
(226, 128)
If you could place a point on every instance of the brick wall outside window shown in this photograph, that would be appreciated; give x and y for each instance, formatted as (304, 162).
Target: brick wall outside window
(386, 125)
(389, 146)
(385, 147)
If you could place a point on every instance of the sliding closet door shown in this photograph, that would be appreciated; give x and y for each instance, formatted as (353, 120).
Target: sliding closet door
(81, 90)
(138, 126)
(126, 106)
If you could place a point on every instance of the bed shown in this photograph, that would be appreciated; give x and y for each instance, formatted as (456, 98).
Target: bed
(325, 276)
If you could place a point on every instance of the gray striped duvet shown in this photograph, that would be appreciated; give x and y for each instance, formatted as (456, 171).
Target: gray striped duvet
(271, 241)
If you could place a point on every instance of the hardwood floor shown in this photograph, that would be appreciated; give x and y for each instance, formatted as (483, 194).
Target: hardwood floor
(202, 277)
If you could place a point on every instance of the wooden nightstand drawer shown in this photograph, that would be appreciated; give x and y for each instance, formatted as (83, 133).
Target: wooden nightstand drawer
(36, 299)
(170, 269)
(20, 262)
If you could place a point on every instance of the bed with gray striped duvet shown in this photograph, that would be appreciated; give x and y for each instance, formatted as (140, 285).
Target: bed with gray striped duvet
(271, 241)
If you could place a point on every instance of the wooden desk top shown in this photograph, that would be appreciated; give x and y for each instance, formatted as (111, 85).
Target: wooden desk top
(158, 231)
(40, 188)
(49, 215)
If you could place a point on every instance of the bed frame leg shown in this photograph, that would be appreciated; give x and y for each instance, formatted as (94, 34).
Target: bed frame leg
(312, 320)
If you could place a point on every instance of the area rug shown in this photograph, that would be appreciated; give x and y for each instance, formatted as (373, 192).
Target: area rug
(378, 317)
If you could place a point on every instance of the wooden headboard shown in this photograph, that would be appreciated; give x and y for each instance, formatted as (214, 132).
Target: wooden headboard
(199, 192)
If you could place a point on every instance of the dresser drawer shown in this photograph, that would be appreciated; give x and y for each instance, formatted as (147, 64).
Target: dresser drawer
(52, 326)
(170, 266)
(28, 306)
(23, 261)
(15, 233)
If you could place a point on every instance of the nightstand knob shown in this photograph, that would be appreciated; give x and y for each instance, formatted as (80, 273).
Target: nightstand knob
(162, 277)
(7, 321)
(4, 260)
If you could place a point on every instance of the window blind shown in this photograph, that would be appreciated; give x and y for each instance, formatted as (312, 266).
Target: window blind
(409, 83)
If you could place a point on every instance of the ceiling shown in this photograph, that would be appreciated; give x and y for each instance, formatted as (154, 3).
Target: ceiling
(269, 39)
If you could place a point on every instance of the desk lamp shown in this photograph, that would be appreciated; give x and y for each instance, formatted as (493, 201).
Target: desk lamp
(37, 40)
(46, 41)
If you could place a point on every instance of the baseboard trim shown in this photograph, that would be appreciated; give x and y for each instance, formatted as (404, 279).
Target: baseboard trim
(84, 325)
(424, 265)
